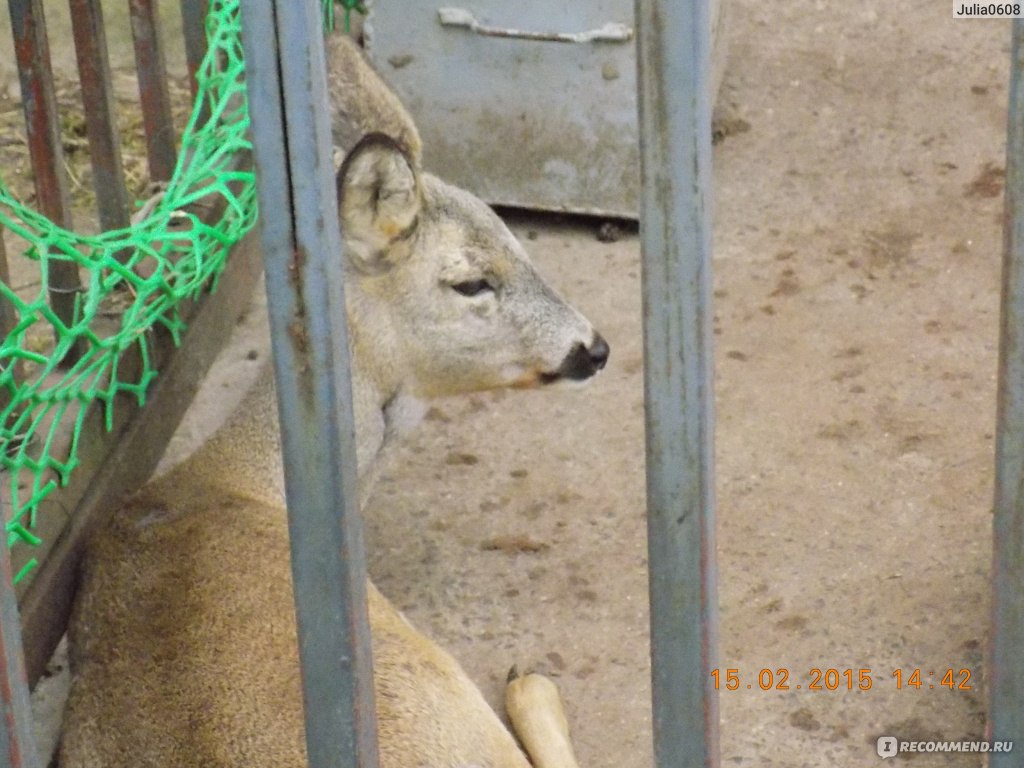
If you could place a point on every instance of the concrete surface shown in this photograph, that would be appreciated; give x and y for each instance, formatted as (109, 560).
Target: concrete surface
(858, 235)
(857, 239)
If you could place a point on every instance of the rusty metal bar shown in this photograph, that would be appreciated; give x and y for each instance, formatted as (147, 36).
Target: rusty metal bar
(8, 319)
(32, 50)
(157, 120)
(673, 50)
(302, 249)
(1006, 667)
(193, 19)
(17, 741)
(100, 117)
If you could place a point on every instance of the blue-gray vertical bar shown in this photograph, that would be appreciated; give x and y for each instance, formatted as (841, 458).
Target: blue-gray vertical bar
(17, 741)
(284, 56)
(1006, 673)
(675, 225)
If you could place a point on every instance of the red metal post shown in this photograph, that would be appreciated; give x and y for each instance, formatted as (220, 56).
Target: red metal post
(32, 50)
(156, 101)
(100, 121)
(193, 19)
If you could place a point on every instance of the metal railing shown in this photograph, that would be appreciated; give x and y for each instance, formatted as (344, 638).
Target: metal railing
(43, 626)
(1005, 673)
(42, 120)
(305, 296)
(673, 60)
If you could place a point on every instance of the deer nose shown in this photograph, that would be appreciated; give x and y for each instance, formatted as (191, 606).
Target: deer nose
(598, 351)
(581, 363)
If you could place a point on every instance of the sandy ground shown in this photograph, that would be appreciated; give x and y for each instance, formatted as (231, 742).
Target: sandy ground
(857, 251)
(858, 235)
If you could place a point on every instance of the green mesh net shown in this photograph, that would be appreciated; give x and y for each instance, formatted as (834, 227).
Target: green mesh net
(165, 256)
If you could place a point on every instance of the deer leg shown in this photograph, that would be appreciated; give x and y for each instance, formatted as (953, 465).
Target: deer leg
(534, 708)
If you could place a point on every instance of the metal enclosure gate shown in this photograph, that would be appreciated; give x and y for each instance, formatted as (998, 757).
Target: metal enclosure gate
(292, 147)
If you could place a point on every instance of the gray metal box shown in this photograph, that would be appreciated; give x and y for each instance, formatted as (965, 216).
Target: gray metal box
(530, 104)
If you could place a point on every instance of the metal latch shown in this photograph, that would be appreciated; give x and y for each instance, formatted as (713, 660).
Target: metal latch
(611, 32)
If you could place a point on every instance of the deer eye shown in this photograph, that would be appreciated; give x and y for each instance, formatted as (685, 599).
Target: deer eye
(473, 287)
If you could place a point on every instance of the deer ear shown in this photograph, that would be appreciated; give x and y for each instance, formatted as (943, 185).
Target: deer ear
(378, 203)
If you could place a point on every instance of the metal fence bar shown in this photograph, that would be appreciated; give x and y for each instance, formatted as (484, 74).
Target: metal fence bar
(17, 744)
(193, 17)
(284, 56)
(675, 143)
(100, 122)
(1006, 673)
(157, 120)
(17, 740)
(42, 124)
(8, 319)
(8, 315)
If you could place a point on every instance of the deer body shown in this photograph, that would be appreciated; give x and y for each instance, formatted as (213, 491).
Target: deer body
(183, 646)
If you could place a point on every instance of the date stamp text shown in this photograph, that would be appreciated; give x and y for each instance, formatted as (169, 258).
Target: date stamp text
(835, 679)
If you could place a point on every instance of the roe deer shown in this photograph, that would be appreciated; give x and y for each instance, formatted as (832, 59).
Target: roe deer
(183, 646)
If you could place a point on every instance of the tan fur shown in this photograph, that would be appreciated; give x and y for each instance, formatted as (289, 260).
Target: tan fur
(183, 643)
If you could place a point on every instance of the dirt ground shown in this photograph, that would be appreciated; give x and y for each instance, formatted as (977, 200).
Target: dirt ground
(857, 255)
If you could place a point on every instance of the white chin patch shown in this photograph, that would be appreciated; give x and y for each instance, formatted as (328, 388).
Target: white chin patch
(564, 383)
(513, 374)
